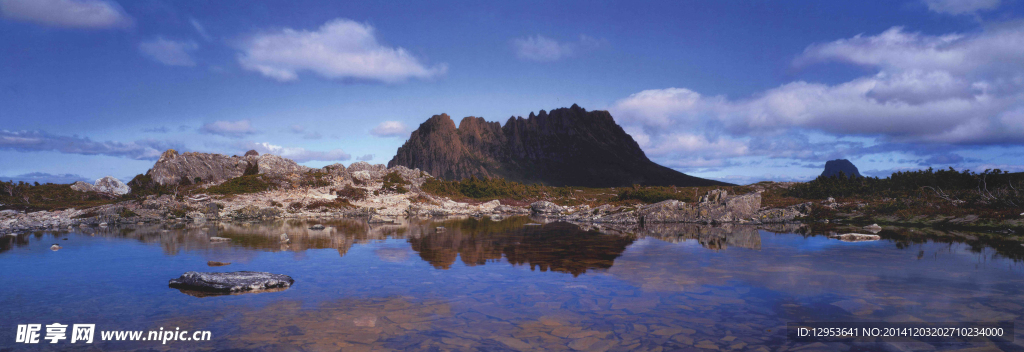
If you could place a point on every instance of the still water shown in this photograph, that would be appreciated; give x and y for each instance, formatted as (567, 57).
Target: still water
(505, 285)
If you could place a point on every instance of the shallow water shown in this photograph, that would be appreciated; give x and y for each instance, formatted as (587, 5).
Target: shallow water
(504, 285)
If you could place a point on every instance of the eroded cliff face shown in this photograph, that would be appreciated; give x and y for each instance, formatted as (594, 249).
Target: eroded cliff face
(566, 147)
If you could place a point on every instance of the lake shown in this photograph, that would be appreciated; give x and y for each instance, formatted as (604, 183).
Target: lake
(513, 284)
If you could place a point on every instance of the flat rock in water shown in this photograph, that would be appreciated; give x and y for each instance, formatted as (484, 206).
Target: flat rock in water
(856, 237)
(238, 281)
(213, 263)
(219, 239)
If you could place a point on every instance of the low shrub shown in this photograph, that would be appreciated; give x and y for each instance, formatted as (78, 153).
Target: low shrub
(241, 185)
(351, 193)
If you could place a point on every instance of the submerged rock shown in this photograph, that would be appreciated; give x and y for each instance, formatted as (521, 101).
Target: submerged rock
(855, 237)
(213, 263)
(238, 281)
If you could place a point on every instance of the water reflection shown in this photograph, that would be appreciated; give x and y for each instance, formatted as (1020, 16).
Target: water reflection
(409, 286)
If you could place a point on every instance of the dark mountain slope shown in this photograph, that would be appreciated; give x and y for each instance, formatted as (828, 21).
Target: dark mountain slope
(566, 147)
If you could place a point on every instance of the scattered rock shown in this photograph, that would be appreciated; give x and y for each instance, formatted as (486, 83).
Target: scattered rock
(377, 219)
(545, 208)
(368, 321)
(855, 237)
(213, 263)
(195, 216)
(238, 281)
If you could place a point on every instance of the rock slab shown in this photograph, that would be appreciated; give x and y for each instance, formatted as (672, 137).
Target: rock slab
(238, 281)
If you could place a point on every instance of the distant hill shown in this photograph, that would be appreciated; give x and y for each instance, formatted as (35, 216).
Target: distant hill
(834, 167)
(566, 147)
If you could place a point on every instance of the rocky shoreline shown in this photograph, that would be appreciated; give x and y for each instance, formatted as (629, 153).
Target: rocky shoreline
(385, 195)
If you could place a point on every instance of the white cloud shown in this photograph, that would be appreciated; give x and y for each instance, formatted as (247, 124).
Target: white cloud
(543, 49)
(366, 157)
(38, 141)
(339, 49)
(200, 29)
(540, 48)
(299, 154)
(960, 7)
(169, 52)
(955, 90)
(233, 129)
(390, 129)
(95, 14)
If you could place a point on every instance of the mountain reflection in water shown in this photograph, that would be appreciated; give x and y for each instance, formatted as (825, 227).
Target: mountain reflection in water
(411, 286)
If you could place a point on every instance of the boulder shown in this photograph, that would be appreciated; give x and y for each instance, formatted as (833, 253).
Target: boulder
(173, 167)
(317, 227)
(545, 208)
(855, 237)
(232, 282)
(714, 207)
(107, 185)
(195, 216)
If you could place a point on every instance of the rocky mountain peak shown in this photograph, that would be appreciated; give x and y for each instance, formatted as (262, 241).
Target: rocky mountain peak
(834, 167)
(566, 146)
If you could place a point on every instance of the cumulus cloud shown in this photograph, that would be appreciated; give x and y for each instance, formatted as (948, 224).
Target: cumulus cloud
(39, 141)
(169, 52)
(543, 49)
(960, 7)
(390, 129)
(954, 90)
(366, 157)
(231, 129)
(299, 154)
(93, 14)
(340, 49)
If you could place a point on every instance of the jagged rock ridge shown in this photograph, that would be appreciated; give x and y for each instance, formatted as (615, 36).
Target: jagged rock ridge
(566, 147)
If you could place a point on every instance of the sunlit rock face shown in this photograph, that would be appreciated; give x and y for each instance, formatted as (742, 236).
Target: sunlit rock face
(566, 147)
(106, 185)
(172, 167)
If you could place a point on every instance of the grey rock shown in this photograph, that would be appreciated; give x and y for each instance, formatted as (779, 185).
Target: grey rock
(546, 208)
(238, 281)
(172, 167)
(874, 228)
(107, 185)
(196, 216)
(855, 237)
(714, 207)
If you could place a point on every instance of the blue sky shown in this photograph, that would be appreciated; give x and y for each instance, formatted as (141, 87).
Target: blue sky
(740, 91)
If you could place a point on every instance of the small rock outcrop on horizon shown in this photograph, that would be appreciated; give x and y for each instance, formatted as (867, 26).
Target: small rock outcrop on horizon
(108, 185)
(833, 167)
(566, 147)
(172, 167)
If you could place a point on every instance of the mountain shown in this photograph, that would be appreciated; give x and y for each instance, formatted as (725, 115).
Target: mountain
(566, 147)
(833, 167)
